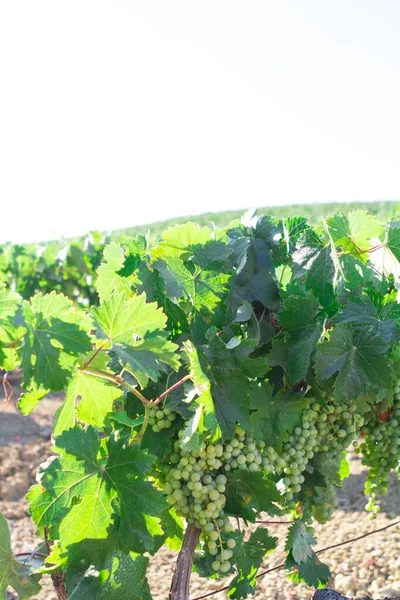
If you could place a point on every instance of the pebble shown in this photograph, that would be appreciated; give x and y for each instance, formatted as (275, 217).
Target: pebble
(16, 488)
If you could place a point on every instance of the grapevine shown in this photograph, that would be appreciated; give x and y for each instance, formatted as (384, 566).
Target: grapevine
(216, 380)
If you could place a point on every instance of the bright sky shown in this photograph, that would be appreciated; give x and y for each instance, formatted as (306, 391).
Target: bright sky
(121, 113)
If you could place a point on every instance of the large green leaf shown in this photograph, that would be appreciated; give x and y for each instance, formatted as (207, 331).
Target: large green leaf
(181, 240)
(359, 360)
(302, 557)
(314, 573)
(250, 493)
(122, 320)
(299, 542)
(136, 330)
(248, 557)
(254, 278)
(229, 371)
(79, 497)
(354, 231)
(299, 319)
(274, 417)
(378, 316)
(111, 277)
(57, 335)
(313, 261)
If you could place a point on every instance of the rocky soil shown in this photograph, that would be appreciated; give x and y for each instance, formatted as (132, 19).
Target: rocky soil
(369, 566)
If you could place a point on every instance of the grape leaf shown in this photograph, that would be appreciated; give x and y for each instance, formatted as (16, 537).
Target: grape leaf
(181, 239)
(312, 572)
(57, 335)
(29, 400)
(354, 231)
(212, 256)
(393, 238)
(9, 302)
(274, 416)
(299, 542)
(174, 529)
(13, 572)
(178, 279)
(121, 319)
(136, 329)
(206, 419)
(99, 569)
(357, 274)
(302, 557)
(379, 317)
(293, 227)
(344, 470)
(126, 577)
(111, 276)
(359, 360)
(248, 557)
(299, 319)
(313, 260)
(254, 279)
(148, 358)
(249, 493)
(97, 398)
(79, 497)
(228, 371)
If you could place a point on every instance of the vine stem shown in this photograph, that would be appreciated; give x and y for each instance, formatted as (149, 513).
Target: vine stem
(274, 522)
(114, 379)
(118, 380)
(138, 438)
(282, 565)
(20, 554)
(181, 580)
(91, 359)
(171, 389)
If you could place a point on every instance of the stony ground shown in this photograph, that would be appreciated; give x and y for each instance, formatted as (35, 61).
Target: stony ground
(370, 566)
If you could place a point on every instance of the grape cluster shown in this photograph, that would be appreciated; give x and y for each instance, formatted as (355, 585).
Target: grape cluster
(381, 449)
(196, 484)
(195, 480)
(323, 429)
(161, 418)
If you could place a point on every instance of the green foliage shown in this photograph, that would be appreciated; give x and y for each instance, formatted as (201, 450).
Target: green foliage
(214, 374)
(14, 572)
(248, 558)
(249, 494)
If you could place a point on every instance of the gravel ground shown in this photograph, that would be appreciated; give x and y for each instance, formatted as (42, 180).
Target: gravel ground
(370, 566)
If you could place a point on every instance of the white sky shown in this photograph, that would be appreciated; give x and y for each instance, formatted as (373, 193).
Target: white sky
(124, 112)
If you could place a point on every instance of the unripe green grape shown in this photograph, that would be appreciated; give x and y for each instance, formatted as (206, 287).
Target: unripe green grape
(214, 495)
(226, 554)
